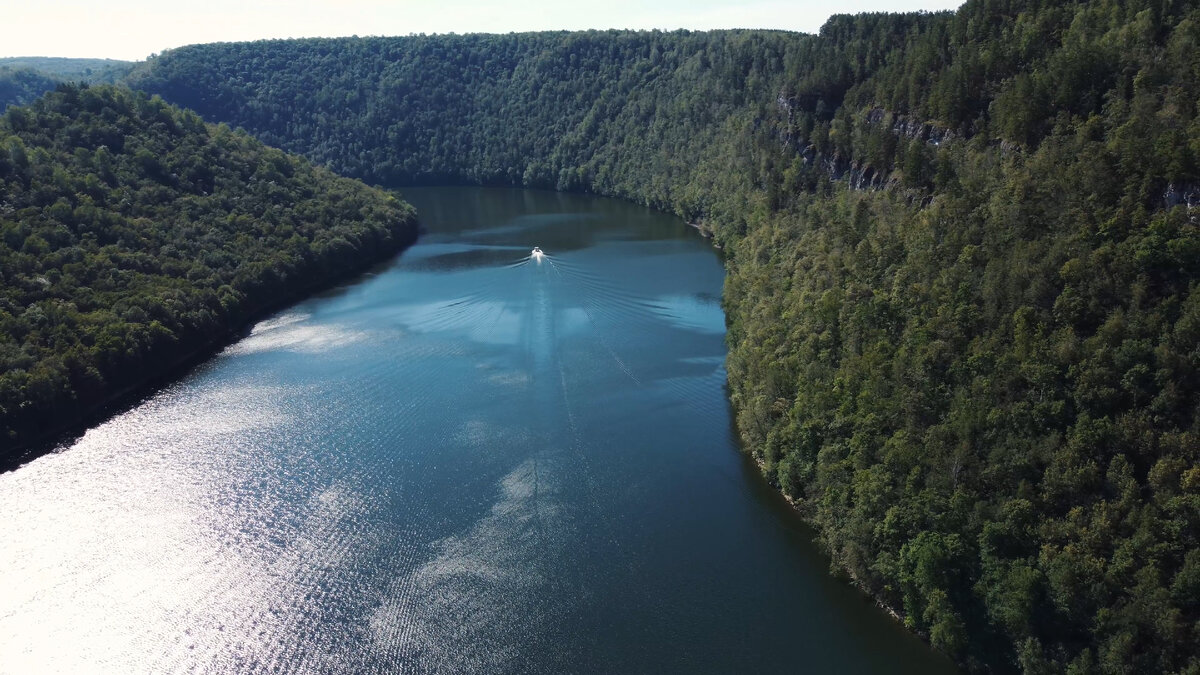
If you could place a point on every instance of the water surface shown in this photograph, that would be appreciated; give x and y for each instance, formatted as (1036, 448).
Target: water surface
(469, 460)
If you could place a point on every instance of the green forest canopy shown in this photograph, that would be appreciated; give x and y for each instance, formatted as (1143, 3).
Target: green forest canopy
(962, 257)
(134, 236)
(20, 86)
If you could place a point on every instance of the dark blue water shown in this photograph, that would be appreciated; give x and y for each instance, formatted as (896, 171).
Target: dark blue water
(470, 460)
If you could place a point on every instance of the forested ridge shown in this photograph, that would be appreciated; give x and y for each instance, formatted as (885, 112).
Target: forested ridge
(134, 236)
(23, 79)
(77, 70)
(962, 257)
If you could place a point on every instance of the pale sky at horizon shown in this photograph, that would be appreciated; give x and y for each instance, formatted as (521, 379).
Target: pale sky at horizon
(134, 29)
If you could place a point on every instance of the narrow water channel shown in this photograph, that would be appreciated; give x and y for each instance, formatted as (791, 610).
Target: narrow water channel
(469, 460)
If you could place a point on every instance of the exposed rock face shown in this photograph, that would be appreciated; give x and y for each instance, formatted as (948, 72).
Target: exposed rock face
(859, 176)
(911, 128)
(1187, 194)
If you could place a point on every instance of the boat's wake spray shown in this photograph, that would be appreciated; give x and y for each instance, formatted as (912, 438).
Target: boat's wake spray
(587, 310)
(537, 255)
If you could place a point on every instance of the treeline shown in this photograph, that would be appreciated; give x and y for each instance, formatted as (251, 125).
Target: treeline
(78, 70)
(23, 79)
(134, 236)
(979, 378)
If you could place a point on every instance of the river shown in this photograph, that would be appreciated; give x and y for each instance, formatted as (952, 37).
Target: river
(469, 459)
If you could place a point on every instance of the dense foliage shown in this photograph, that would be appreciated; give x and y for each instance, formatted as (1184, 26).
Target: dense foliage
(985, 385)
(617, 112)
(978, 376)
(19, 86)
(133, 236)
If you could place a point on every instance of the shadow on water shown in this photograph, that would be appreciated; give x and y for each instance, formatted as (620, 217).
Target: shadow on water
(813, 563)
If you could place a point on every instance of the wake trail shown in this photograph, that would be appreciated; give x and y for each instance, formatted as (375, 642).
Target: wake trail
(577, 444)
(585, 305)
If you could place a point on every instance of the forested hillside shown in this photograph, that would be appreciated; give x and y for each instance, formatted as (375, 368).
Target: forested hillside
(962, 258)
(19, 86)
(134, 236)
(616, 112)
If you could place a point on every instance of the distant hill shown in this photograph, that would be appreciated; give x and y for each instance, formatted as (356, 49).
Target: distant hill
(24, 78)
(133, 237)
(92, 71)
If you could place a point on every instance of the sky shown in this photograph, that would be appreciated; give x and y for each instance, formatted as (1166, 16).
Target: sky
(134, 29)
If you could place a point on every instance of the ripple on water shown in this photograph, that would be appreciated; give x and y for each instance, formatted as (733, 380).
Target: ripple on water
(467, 462)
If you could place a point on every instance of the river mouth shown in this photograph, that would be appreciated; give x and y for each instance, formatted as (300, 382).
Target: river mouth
(475, 459)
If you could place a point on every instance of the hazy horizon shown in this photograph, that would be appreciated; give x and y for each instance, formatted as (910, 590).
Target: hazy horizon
(131, 30)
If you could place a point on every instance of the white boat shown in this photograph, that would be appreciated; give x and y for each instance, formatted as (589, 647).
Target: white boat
(537, 253)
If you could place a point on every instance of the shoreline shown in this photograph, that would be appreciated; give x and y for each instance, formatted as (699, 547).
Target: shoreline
(854, 581)
(50, 440)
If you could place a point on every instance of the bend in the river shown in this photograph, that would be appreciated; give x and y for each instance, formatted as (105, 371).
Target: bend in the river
(471, 460)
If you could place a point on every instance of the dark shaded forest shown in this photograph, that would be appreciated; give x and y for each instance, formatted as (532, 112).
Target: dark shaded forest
(962, 254)
(19, 86)
(134, 236)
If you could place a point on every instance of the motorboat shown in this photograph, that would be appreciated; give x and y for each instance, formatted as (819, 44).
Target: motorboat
(536, 253)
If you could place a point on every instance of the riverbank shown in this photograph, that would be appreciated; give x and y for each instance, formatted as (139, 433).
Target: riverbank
(403, 465)
(129, 396)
